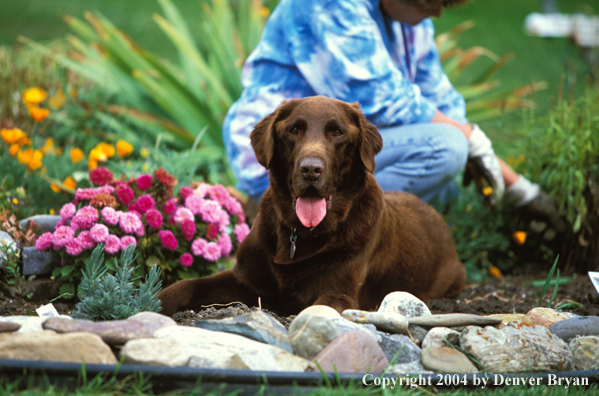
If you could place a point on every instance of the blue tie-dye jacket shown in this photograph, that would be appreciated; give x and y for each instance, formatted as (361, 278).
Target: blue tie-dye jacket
(345, 49)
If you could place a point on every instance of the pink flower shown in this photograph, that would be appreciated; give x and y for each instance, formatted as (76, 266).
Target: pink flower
(188, 228)
(128, 240)
(68, 211)
(110, 216)
(219, 193)
(211, 231)
(129, 223)
(113, 244)
(194, 203)
(98, 233)
(125, 194)
(223, 221)
(225, 244)
(186, 259)
(154, 218)
(211, 211)
(185, 192)
(135, 212)
(44, 242)
(182, 214)
(168, 239)
(62, 236)
(74, 248)
(198, 246)
(144, 182)
(100, 176)
(241, 231)
(170, 206)
(145, 203)
(105, 189)
(86, 217)
(211, 251)
(202, 190)
(141, 231)
(85, 240)
(85, 194)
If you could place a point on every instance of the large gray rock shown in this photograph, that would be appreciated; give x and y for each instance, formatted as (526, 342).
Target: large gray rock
(581, 326)
(586, 352)
(49, 346)
(6, 240)
(38, 263)
(405, 304)
(399, 344)
(310, 333)
(46, 223)
(386, 321)
(352, 352)
(446, 360)
(195, 347)
(518, 347)
(256, 325)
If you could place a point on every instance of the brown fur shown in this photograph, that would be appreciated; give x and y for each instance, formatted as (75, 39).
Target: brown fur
(369, 243)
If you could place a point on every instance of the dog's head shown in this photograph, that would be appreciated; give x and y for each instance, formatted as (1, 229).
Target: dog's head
(318, 151)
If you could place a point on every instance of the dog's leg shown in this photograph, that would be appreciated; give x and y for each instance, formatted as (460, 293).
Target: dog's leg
(221, 288)
(340, 303)
(449, 282)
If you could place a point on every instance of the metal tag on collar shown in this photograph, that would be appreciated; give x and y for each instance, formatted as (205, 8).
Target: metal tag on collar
(292, 239)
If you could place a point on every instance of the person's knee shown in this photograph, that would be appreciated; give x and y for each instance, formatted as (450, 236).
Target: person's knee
(451, 151)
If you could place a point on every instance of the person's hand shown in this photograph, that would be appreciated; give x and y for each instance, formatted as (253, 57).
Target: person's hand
(482, 166)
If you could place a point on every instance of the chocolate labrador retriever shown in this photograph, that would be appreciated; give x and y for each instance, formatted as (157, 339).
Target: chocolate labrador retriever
(325, 232)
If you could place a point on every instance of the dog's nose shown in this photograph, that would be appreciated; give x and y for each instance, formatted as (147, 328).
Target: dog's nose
(311, 168)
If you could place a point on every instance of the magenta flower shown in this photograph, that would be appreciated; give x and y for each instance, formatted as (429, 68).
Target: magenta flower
(99, 233)
(110, 216)
(125, 194)
(67, 211)
(135, 212)
(85, 217)
(194, 203)
(85, 240)
(62, 235)
(105, 189)
(141, 231)
(241, 231)
(44, 242)
(188, 228)
(219, 193)
(198, 246)
(74, 248)
(129, 223)
(113, 244)
(211, 231)
(168, 239)
(128, 240)
(186, 259)
(182, 214)
(145, 203)
(85, 194)
(144, 182)
(211, 251)
(185, 192)
(225, 244)
(100, 176)
(170, 206)
(154, 218)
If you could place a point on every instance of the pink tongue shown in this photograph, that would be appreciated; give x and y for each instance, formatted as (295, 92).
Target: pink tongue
(311, 210)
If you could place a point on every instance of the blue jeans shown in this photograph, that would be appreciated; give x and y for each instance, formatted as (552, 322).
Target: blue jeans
(422, 159)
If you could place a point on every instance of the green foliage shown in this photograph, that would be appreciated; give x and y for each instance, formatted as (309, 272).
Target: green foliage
(108, 297)
(11, 280)
(546, 285)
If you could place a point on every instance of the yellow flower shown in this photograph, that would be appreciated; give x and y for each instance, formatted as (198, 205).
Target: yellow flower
(519, 237)
(145, 167)
(69, 182)
(123, 148)
(24, 156)
(144, 152)
(36, 160)
(51, 211)
(487, 191)
(264, 12)
(97, 155)
(15, 201)
(58, 100)
(107, 148)
(495, 272)
(11, 136)
(48, 146)
(34, 96)
(77, 155)
(38, 114)
(14, 149)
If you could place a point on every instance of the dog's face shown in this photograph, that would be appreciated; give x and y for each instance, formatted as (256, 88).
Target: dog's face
(317, 149)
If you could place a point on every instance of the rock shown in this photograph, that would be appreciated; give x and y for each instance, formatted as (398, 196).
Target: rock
(507, 318)
(581, 326)
(418, 333)
(586, 352)
(115, 332)
(456, 319)
(256, 325)
(414, 367)
(352, 352)
(391, 344)
(547, 317)
(310, 334)
(344, 325)
(436, 336)
(404, 304)
(386, 321)
(195, 347)
(9, 327)
(6, 239)
(322, 310)
(38, 263)
(28, 323)
(47, 345)
(154, 319)
(446, 360)
(46, 223)
(518, 347)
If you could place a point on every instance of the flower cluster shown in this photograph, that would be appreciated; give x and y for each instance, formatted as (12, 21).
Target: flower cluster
(184, 232)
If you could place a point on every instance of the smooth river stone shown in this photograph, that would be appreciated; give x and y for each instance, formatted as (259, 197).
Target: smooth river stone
(387, 321)
(9, 327)
(450, 320)
(446, 360)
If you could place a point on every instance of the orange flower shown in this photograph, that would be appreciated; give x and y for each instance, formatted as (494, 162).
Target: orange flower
(14, 149)
(76, 154)
(58, 100)
(34, 96)
(495, 272)
(48, 146)
(97, 155)
(69, 182)
(36, 160)
(107, 149)
(24, 156)
(55, 188)
(11, 136)
(38, 114)
(519, 237)
(123, 148)
(91, 164)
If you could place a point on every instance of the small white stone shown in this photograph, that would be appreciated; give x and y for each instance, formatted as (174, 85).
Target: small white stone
(405, 304)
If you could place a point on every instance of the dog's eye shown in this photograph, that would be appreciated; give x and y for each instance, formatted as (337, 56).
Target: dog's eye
(294, 130)
(338, 132)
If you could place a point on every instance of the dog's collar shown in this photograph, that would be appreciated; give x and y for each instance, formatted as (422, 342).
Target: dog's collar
(303, 233)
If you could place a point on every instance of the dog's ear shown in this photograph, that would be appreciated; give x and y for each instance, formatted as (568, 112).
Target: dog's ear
(371, 141)
(263, 135)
